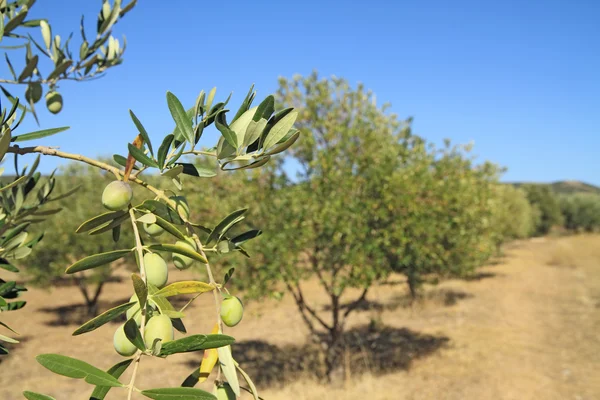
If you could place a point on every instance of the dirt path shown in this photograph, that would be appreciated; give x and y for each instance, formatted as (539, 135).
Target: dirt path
(525, 330)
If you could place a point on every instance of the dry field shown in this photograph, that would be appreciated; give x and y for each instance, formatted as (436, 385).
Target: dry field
(525, 328)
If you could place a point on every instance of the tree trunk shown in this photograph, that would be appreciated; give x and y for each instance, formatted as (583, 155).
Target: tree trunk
(413, 284)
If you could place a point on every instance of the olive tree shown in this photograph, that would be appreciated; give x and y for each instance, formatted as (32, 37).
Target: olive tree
(439, 221)
(47, 62)
(323, 224)
(545, 201)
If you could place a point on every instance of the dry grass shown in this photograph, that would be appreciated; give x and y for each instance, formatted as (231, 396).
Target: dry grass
(575, 251)
(523, 330)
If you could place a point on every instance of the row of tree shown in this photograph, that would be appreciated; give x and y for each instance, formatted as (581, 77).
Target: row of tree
(359, 197)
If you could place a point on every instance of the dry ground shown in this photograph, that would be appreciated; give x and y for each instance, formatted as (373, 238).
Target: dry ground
(527, 328)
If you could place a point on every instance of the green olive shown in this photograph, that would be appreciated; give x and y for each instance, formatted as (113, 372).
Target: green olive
(117, 195)
(225, 392)
(122, 345)
(157, 272)
(134, 312)
(153, 229)
(158, 327)
(181, 261)
(182, 205)
(33, 93)
(54, 102)
(232, 311)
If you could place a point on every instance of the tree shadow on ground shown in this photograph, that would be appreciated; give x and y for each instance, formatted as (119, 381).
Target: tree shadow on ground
(77, 314)
(437, 297)
(367, 349)
(480, 276)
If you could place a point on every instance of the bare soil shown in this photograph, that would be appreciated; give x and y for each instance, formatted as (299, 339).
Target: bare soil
(525, 328)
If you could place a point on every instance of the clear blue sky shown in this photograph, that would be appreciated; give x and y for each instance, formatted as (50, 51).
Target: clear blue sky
(520, 79)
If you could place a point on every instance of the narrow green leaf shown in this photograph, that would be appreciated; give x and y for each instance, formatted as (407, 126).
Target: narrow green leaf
(7, 266)
(228, 367)
(178, 393)
(161, 210)
(142, 131)
(254, 131)
(7, 287)
(14, 183)
(225, 222)
(36, 396)
(228, 276)
(184, 287)
(221, 124)
(103, 318)
(73, 368)
(180, 116)
(147, 218)
(195, 343)
(244, 237)
(173, 248)
(280, 129)
(196, 170)
(97, 260)
(59, 70)
(113, 224)
(38, 134)
(8, 339)
(9, 328)
(140, 289)
(139, 155)
(210, 98)
(173, 172)
(163, 150)
(169, 228)
(132, 331)
(265, 109)
(29, 68)
(278, 148)
(64, 195)
(100, 220)
(116, 370)
(240, 125)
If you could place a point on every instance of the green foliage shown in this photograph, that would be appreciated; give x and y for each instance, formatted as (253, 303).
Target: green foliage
(581, 212)
(545, 201)
(441, 214)
(515, 217)
(49, 59)
(152, 317)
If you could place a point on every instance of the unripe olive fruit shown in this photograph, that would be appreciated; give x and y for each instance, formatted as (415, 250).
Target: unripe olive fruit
(157, 272)
(182, 205)
(181, 261)
(153, 229)
(122, 345)
(54, 102)
(158, 327)
(134, 311)
(225, 392)
(232, 311)
(33, 93)
(117, 195)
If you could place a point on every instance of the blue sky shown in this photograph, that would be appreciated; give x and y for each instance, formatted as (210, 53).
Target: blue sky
(519, 79)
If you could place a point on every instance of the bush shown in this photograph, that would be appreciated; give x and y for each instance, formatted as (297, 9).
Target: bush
(543, 199)
(514, 216)
(581, 212)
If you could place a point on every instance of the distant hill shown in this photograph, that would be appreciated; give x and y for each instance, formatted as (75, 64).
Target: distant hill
(566, 187)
